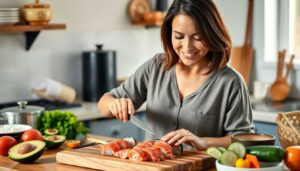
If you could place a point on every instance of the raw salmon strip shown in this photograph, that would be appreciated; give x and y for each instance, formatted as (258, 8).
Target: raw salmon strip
(109, 149)
(154, 153)
(138, 155)
(145, 144)
(124, 154)
(124, 144)
(165, 148)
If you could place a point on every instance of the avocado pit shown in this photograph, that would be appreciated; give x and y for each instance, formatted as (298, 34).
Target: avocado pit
(51, 131)
(26, 148)
(53, 138)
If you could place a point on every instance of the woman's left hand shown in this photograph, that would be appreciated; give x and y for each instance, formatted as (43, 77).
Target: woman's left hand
(184, 136)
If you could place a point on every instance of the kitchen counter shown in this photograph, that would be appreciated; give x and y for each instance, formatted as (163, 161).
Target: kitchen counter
(89, 111)
(47, 162)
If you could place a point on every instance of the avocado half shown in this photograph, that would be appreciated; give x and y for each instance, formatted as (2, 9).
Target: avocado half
(54, 141)
(52, 131)
(30, 156)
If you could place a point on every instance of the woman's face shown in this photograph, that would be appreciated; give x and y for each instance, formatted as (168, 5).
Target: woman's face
(187, 41)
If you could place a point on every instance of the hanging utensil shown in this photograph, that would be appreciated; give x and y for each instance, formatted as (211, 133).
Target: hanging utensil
(280, 89)
(241, 59)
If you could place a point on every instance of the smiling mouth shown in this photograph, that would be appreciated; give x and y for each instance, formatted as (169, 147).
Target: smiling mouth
(188, 54)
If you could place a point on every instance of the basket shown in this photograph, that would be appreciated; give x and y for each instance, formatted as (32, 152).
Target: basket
(288, 128)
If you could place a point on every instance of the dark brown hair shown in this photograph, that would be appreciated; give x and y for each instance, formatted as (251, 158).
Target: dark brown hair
(208, 22)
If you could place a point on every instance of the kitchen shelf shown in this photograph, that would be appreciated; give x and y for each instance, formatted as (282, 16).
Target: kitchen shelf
(148, 24)
(31, 31)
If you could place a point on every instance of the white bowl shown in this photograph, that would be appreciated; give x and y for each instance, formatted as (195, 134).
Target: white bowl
(275, 167)
(13, 129)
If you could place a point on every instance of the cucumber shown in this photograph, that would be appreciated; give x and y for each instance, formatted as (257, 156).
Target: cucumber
(228, 158)
(266, 153)
(214, 152)
(238, 149)
(222, 149)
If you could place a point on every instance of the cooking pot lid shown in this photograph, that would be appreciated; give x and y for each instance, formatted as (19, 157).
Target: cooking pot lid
(23, 108)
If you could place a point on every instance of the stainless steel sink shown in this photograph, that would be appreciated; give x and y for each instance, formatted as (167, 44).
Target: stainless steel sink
(268, 105)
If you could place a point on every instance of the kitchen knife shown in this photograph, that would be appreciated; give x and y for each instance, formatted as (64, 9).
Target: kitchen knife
(86, 145)
(137, 122)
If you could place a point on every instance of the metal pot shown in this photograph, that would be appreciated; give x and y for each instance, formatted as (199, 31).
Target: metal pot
(22, 114)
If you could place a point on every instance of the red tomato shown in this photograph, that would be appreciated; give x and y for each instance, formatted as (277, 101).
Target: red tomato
(31, 134)
(292, 158)
(5, 143)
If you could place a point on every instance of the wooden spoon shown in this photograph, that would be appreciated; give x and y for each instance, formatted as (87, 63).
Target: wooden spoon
(289, 67)
(280, 88)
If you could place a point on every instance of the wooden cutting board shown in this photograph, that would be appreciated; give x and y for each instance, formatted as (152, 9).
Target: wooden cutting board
(89, 157)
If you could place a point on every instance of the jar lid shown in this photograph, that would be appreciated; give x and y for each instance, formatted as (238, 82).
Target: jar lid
(37, 4)
(99, 50)
(22, 109)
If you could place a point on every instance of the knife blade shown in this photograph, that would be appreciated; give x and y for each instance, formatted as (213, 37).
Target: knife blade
(86, 145)
(137, 122)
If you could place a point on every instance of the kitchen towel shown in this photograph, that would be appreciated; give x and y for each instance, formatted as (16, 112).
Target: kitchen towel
(53, 90)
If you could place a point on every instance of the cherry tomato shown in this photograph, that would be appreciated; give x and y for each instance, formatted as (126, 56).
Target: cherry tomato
(31, 134)
(6, 142)
(292, 158)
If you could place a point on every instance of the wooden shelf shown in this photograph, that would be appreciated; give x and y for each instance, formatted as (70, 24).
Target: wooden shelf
(31, 31)
(148, 24)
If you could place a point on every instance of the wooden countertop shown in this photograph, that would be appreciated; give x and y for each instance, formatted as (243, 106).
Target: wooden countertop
(47, 162)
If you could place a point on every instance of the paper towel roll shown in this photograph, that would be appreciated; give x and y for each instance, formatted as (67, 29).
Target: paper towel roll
(53, 90)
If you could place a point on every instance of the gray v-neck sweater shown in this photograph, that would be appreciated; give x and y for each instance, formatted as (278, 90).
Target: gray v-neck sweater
(219, 107)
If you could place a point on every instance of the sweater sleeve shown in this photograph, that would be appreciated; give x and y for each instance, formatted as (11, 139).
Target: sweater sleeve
(239, 112)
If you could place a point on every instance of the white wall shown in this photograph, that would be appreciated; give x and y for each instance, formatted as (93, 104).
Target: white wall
(57, 54)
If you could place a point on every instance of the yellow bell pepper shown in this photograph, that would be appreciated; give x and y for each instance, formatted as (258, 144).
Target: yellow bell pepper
(241, 163)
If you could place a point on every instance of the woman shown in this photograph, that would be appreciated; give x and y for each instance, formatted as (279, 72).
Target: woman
(192, 96)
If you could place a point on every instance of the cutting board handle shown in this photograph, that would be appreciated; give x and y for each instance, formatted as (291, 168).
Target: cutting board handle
(248, 32)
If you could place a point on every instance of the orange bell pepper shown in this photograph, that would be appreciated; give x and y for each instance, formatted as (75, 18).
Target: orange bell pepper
(254, 163)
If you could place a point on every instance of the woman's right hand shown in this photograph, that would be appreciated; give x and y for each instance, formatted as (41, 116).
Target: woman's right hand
(121, 108)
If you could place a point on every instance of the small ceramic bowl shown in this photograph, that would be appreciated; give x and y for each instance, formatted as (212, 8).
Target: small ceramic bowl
(14, 130)
(251, 139)
(274, 167)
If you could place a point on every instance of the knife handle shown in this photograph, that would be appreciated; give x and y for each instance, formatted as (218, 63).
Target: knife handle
(128, 116)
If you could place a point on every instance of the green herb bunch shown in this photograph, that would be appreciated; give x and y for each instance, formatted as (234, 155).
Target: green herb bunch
(65, 122)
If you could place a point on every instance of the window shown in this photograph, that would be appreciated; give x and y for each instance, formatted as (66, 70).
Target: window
(281, 28)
